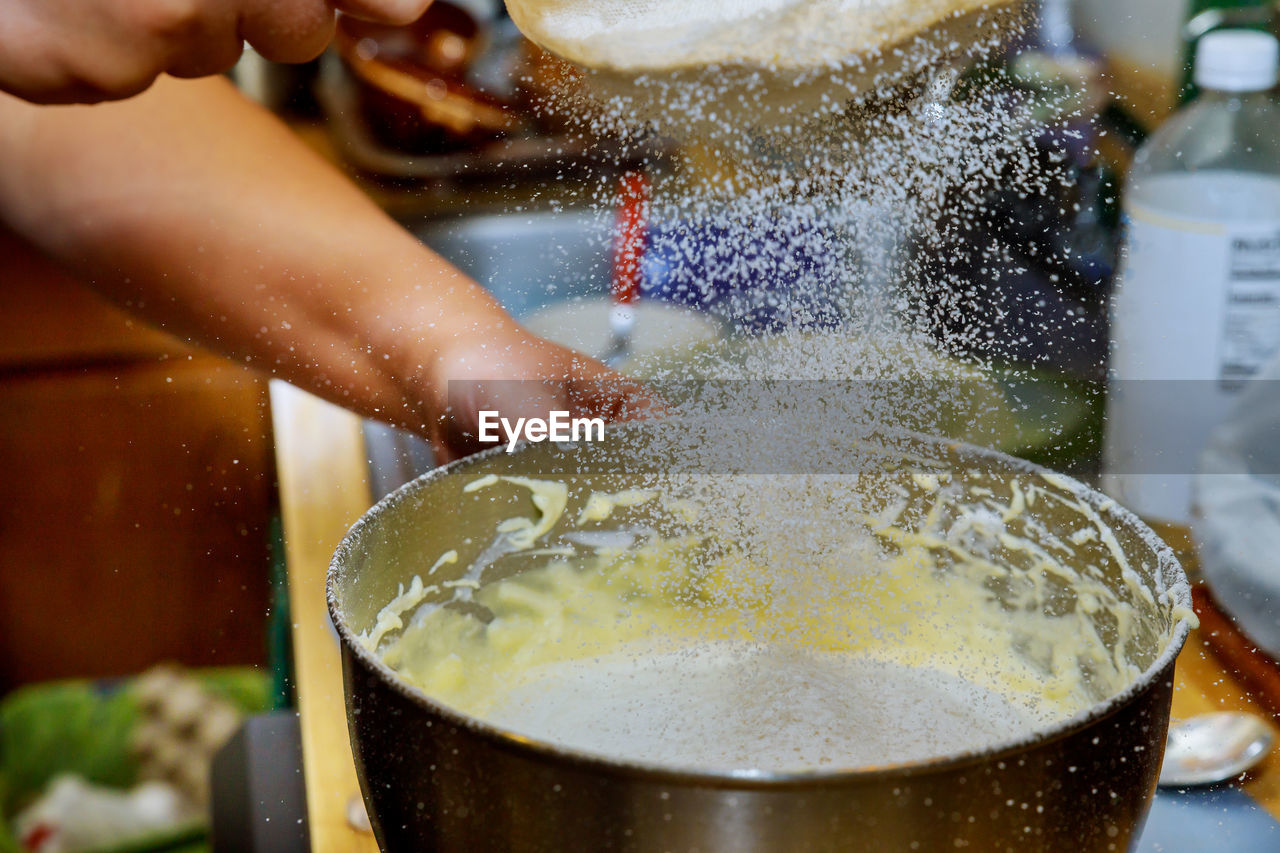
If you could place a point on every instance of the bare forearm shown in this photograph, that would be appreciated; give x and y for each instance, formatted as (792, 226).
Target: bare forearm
(194, 208)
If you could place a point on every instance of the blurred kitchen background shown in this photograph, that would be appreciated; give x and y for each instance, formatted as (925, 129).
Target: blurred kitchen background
(142, 523)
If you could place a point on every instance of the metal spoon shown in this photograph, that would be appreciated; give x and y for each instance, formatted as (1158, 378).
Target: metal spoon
(1211, 748)
(628, 250)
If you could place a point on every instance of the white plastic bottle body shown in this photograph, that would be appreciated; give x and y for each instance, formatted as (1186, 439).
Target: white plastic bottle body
(1196, 312)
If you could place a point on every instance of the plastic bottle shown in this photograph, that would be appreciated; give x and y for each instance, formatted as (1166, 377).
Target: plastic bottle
(1204, 16)
(1196, 311)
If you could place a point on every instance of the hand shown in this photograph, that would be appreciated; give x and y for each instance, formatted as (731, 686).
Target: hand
(507, 369)
(84, 51)
(250, 244)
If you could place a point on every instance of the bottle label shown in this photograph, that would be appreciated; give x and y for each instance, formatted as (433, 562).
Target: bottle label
(1196, 312)
(1251, 328)
(1196, 299)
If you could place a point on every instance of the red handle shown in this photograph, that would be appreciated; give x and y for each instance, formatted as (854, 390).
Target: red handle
(632, 227)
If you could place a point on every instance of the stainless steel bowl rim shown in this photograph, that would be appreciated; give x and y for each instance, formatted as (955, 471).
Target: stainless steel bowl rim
(1178, 589)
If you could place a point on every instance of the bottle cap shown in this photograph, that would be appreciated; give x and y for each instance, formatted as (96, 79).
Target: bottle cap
(1237, 61)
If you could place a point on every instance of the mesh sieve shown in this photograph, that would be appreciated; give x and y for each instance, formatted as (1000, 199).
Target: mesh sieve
(638, 36)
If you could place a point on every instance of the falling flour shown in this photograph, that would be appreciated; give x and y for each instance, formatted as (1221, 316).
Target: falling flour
(746, 708)
(805, 206)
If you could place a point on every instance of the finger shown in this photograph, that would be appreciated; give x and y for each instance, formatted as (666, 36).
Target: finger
(29, 66)
(114, 73)
(33, 57)
(514, 400)
(46, 86)
(453, 431)
(397, 12)
(287, 30)
(600, 392)
(213, 59)
(186, 38)
(214, 46)
(106, 59)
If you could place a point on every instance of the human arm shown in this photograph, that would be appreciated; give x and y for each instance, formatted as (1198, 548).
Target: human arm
(201, 212)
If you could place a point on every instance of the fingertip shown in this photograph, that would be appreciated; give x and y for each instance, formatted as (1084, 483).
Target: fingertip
(220, 59)
(289, 34)
(393, 12)
(652, 407)
(648, 407)
(99, 89)
(621, 398)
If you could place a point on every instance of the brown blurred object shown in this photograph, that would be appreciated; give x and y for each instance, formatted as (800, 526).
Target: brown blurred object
(1145, 94)
(138, 489)
(450, 114)
(411, 81)
(1259, 672)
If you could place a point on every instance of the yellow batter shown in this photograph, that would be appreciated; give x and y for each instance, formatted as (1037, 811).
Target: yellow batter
(585, 648)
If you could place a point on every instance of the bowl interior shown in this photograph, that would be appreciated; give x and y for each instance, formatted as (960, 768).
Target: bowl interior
(1049, 579)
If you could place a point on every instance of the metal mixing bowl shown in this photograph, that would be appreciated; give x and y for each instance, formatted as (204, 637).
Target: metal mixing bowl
(435, 779)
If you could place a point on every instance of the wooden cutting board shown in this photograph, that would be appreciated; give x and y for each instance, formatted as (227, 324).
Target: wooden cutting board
(324, 488)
